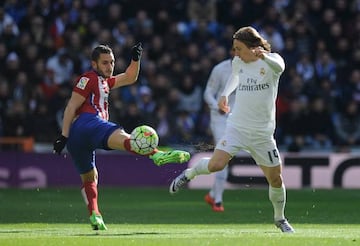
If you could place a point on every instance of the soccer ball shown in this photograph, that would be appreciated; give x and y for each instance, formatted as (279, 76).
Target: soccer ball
(143, 140)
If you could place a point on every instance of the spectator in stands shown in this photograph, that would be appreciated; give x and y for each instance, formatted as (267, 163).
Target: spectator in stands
(164, 124)
(36, 30)
(12, 66)
(350, 88)
(319, 125)
(273, 36)
(325, 67)
(17, 121)
(62, 66)
(20, 87)
(145, 101)
(293, 126)
(44, 125)
(305, 68)
(190, 96)
(5, 98)
(132, 118)
(185, 126)
(347, 127)
(7, 23)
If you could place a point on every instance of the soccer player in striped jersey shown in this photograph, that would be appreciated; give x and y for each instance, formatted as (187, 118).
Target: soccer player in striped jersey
(251, 125)
(215, 85)
(86, 127)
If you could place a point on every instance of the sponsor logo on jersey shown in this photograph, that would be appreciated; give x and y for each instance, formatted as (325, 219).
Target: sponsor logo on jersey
(223, 143)
(253, 87)
(82, 83)
(252, 84)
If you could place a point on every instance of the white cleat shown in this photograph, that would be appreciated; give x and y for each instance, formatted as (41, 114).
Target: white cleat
(284, 226)
(178, 182)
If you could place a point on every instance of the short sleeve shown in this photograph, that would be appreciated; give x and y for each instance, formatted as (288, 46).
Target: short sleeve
(83, 86)
(111, 82)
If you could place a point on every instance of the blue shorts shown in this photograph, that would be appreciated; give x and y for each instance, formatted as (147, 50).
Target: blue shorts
(88, 133)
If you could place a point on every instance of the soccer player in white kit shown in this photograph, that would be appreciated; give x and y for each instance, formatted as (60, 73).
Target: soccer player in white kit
(251, 125)
(215, 85)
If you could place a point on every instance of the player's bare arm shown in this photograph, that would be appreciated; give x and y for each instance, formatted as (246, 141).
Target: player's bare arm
(129, 76)
(132, 72)
(74, 103)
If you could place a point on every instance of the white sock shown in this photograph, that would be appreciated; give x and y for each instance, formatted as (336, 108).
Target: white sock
(201, 167)
(219, 184)
(277, 197)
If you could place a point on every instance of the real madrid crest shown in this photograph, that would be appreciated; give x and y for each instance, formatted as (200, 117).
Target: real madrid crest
(262, 71)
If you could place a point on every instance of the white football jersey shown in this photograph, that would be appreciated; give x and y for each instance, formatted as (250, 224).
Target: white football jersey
(256, 93)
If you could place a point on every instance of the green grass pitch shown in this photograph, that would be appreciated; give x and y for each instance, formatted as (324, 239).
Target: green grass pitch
(150, 216)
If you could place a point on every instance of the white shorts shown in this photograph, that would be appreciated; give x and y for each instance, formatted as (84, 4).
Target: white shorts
(259, 144)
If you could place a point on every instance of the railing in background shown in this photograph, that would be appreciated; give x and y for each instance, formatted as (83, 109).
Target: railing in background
(26, 144)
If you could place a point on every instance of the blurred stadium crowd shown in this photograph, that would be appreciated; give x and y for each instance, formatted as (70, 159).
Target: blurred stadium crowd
(45, 45)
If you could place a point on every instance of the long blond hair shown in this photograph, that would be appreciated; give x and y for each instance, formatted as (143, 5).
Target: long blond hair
(251, 38)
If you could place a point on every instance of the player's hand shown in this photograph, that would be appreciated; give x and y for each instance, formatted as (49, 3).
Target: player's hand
(221, 112)
(136, 51)
(259, 52)
(223, 104)
(59, 144)
(235, 65)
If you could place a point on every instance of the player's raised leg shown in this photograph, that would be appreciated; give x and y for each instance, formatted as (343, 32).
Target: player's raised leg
(201, 167)
(216, 163)
(121, 140)
(174, 156)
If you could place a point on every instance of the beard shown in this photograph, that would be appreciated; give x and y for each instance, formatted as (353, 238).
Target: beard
(106, 74)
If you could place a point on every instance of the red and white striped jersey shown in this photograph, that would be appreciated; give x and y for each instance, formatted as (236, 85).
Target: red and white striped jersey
(95, 89)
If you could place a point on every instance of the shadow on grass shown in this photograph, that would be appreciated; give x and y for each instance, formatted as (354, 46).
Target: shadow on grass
(121, 234)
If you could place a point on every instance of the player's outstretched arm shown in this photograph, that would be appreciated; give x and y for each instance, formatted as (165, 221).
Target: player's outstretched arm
(132, 72)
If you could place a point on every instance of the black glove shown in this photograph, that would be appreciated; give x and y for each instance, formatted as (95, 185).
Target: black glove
(59, 144)
(136, 51)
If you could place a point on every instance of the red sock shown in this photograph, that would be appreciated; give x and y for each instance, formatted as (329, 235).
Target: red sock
(90, 195)
(127, 147)
(154, 151)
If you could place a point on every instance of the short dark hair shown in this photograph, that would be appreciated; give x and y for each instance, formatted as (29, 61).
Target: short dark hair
(251, 38)
(100, 49)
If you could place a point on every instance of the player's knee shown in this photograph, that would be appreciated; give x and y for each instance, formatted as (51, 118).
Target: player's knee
(216, 166)
(275, 182)
(218, 161)
(91, 176)
(117, 139)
